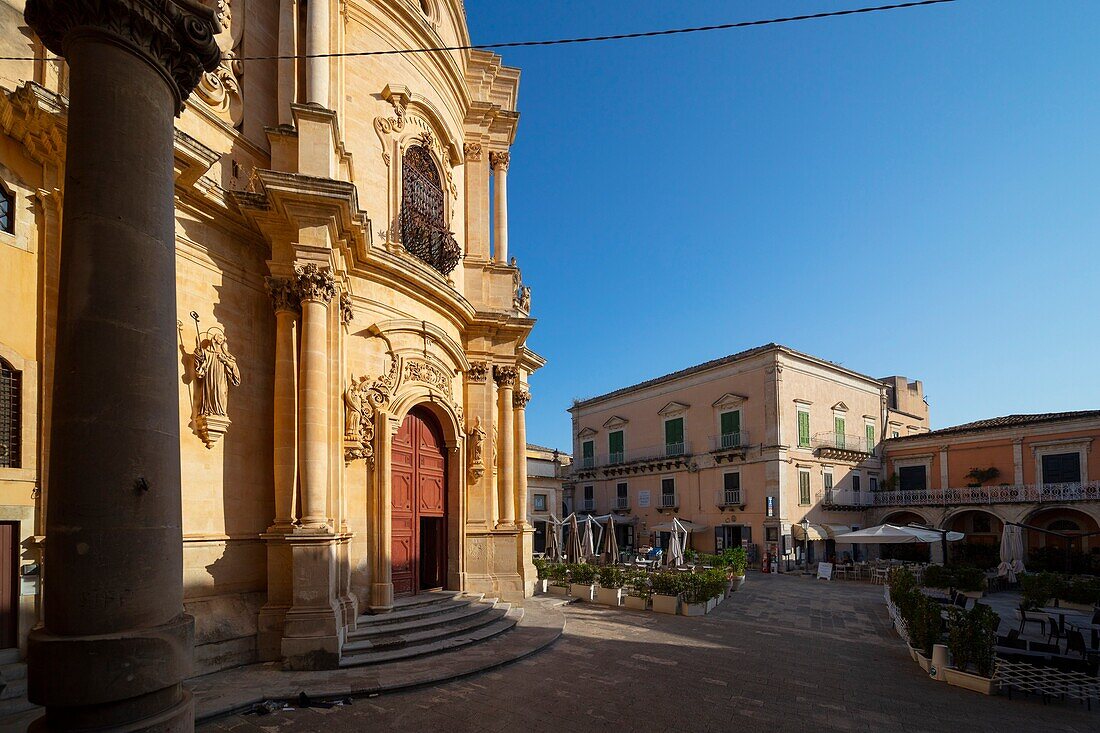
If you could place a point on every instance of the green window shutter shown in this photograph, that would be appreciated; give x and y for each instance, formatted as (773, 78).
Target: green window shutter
(803, 429)
(588, 449)
(870, 438)
(615, 442)
(838, 428)
(803, 488)
(674, 431)
(731, 423)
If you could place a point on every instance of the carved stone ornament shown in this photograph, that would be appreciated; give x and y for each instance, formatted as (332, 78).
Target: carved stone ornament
(422, 371)
(347, 315)
(499, 159)
(478, 372)
(284, 294)
(520, 399)
(386, 126)
(215, 369)
(472, 152)
(175, 36)
(221, 89)
(505, 376)
(476, 437)
(315, 283)
(356, 421)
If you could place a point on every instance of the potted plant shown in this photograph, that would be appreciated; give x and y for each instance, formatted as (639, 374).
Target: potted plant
(559, 579)
(610, 592)
(542, 567)
(923, 622)
(971, 636)
(667, 587)
(695, 595)
(582, 581)
(1081, 593)
(736, 561)
(637, 590)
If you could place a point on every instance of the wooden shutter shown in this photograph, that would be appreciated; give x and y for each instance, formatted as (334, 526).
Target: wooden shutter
(615, 442)
(588, 448)
(731, 422)
(674, 431)
(838, 428)
(803, 428)
(804, 487)
(870, 438)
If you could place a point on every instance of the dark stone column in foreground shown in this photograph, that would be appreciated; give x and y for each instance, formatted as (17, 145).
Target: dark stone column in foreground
(116, 643)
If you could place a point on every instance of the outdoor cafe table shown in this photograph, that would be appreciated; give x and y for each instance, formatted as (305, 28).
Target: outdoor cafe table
(1061, 613)
(1082, 626)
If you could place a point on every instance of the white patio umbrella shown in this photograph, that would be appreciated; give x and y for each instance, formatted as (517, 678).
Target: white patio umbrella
(588, 540)
(677, 542)
(553, 539)
(1012, 553)
(609, 547)
(573, 548)
(889, 534)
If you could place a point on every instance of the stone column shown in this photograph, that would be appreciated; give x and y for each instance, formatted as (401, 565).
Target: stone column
(116, 643)
(381, 591)
(945, 476)
(1018, 461)
(288, 70)
(285, 299)
(519, 406)
(498, 161)
(505, 377)
(317, 287)
(317, 42)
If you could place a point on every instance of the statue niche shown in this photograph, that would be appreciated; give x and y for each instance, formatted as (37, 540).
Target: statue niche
(215, 369)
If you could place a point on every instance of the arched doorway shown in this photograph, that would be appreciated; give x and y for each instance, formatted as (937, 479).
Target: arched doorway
(419, 505)
(982, 545)
(1049, 552)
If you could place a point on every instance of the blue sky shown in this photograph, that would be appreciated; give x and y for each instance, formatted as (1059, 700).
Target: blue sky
(911, 192)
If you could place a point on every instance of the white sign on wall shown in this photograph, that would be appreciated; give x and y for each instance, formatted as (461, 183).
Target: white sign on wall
(643, 499)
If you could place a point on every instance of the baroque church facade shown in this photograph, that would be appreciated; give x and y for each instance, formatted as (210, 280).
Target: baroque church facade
(352, 360)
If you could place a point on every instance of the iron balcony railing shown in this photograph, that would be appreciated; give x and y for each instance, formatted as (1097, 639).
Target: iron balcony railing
(727, 441)
(669, 501)
(1013, 494)
(650, 453)
(729, 497)
(588, 505)
(841, 441)
(620, 503)
(845, 497)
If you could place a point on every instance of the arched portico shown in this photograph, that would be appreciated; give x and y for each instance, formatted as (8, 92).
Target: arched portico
(1077, 522)
(982, 529)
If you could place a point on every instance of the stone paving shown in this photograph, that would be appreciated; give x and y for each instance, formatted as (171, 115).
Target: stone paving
(783, 654)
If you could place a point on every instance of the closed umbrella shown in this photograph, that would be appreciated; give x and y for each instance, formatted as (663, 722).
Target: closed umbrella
(677, 538)
(573, 548)
(588, 540)
(609, 548)
(1012, 553)
(553, 539)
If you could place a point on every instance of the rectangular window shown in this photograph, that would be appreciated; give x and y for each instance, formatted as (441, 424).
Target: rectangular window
(803, 488)
(668, 493)
(1062, 468)
(621, 489)
(589, 493)
(827, 479)
(621, 497)
(731, 428)
(588, 454)
(771, 534)
(540, 502)
(872, 483)
(912, 478)
(803, 429)
(855, 481)
(731, 488)
(615, 453)
(674, 436)
(838, 431)
(870, 438)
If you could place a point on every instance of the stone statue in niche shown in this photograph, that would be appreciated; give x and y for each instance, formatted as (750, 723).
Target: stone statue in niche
(477, 450)
(353, 411)
(215, 370)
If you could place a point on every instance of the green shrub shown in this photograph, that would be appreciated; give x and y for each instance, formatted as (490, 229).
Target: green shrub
(937, 576)
(702, 586)
(1039, 588)
(971, 636)
(736, 560)
(637, 583)
(558, 574)
(668, 583)
(923, 622)
(583, 574)
(612, 577)
(541, 567)
(1082, 589)
(965, 578)
(978, 554)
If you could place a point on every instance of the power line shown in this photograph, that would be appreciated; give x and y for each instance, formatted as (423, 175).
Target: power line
(584, 39)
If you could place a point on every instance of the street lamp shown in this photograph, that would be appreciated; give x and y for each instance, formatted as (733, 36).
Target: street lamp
(805, 525)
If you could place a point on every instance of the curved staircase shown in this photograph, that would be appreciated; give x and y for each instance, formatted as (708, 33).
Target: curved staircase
(426, 624)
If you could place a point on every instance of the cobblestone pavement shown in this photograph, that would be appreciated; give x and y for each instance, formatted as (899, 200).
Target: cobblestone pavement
(783, 654)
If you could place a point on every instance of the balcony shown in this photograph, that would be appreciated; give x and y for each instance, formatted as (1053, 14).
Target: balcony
(668, 501)
(726, 499)
(587, 505)
(730, 441)
(841, 446)
(845, 499)
(620, 504)
(663, 453)
(588, 462)
(1015, 494)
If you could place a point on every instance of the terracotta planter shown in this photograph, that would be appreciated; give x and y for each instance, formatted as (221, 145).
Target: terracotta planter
(636, 602)
(609, 596)
(558, 590)
(958, 678)
(694, 609)
(582, 592)
(666, 604)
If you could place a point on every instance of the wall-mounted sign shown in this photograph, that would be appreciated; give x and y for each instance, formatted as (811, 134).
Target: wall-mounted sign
(643, 499)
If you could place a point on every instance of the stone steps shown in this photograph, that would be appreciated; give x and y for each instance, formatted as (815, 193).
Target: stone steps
(13, 698)
(436, 603)
(428, 627)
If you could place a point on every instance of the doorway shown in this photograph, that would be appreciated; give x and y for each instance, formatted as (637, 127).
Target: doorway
(418, 506)
(9, 583)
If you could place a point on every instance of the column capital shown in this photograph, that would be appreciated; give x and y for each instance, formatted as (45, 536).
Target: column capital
(315, 283)
(499, 159)
(505, 376)
(472, 152)
(520, 399)
(284, 294)
(176, 37)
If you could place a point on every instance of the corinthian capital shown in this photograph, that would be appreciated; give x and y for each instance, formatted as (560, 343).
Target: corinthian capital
(176, 37)
(315, 283)
(505, 376)
(520, 399)
(284, 293)
(498, 159)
